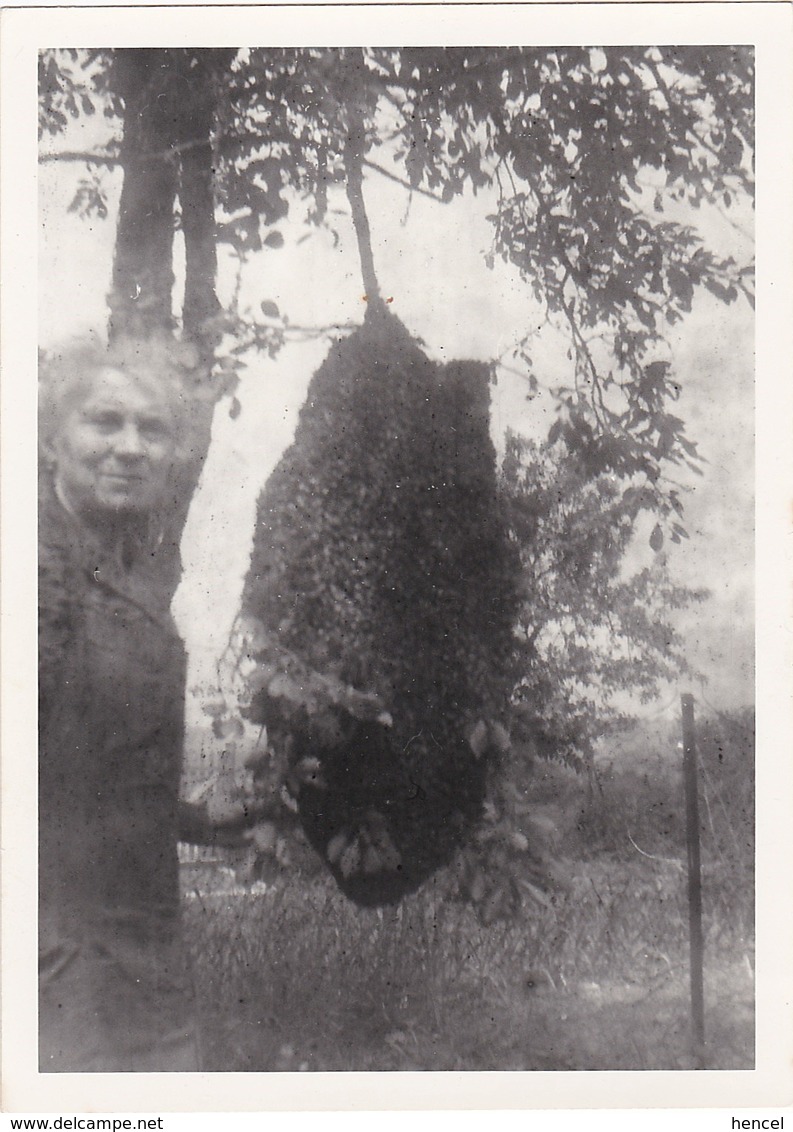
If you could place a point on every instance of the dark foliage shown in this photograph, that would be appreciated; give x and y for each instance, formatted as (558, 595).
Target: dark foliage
(381, 559)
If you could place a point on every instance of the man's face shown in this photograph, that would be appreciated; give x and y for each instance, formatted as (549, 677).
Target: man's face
(114, 450)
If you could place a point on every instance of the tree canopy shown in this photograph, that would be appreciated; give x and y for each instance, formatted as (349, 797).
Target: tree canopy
(596, 156)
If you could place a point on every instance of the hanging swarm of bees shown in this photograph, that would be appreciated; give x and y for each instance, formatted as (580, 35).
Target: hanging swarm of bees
(382, 591)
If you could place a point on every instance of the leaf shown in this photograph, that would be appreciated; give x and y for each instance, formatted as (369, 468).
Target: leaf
(500, 738)
(478, 739)
(268, 307)
(726, 294)
(350, 859)
(228, 728)
(281, 686)
(682, 287)
(336, 847)
(264, 837)
(555, 431)
(676, 503)
(543, 826)
(215, 708)
(235, 408)
(732, 150)
(273, 240)
(372, 862)
(657, 538)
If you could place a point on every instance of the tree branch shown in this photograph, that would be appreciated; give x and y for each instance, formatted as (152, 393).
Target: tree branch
(353, 162)
(224, 143)
(112, 162)
(76, 155)
(399, 181)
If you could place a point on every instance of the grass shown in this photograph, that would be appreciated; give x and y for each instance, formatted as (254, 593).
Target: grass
(291, 976)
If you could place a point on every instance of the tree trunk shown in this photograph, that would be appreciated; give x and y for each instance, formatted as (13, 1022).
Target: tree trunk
(201, 305)
(197, 105)
(141, 295)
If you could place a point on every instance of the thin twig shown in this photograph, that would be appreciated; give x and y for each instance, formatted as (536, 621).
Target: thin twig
(651, 857)
(399, 181)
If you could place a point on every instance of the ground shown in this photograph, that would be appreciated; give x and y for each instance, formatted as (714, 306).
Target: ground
(292, 976)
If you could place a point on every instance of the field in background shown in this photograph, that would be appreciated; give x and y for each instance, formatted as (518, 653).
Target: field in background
(292, 976)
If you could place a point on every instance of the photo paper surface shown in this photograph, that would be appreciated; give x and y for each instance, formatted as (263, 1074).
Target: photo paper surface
(411, 481)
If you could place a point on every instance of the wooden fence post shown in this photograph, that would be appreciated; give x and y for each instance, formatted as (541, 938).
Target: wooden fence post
(694, 882)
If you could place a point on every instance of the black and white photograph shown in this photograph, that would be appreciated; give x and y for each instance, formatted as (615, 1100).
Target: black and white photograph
(396, 518)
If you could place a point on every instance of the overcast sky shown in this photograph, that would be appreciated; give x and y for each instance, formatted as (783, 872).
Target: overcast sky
(430, 259)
